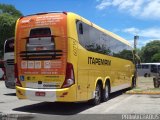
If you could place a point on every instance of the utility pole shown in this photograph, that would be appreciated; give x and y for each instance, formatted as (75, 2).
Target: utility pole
(136, 37)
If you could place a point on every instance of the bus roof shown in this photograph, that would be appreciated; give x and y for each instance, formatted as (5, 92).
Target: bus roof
(103, 30)
(88, 22)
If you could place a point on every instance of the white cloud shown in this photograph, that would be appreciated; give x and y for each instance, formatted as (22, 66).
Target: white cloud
(138, 8)
(132, 30)
(145, 35)
(152, 9)
(152, 33)
(103, 5)
(140, 42)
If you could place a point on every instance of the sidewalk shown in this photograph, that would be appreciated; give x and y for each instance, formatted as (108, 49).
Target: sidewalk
(144, 86)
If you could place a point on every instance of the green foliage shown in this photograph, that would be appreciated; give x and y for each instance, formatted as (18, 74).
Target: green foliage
(156, 57)
(10, 10)
(126, 54)
(8, 17)
(150, 52)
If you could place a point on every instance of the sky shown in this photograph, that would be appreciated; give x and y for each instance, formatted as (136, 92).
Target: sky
(125, 18)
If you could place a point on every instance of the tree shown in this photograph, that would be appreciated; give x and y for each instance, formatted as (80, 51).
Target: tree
(8, 17)
(156, 57)
(10, 9)
(126, 54)
(147, 52)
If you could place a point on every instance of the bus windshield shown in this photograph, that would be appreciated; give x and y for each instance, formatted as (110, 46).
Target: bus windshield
(9, 46)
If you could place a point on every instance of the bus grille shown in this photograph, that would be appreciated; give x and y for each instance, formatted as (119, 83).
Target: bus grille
(10, 62)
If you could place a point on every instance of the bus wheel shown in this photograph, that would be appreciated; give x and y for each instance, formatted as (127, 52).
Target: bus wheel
(97, 96)
(133, 82)
(155, 82)
(106, 92)
(145, 75)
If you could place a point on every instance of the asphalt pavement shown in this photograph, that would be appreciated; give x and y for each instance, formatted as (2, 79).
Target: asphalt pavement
(116, 107)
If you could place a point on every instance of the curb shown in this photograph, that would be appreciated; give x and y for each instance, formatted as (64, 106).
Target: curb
(144, 92)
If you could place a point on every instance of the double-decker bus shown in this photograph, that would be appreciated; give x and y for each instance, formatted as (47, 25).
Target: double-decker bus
(61, 56)
(9, 63)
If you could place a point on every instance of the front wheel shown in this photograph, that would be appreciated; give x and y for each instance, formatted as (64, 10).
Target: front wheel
(156, 83)
(133, 82)
(106, 92)
(97, 96)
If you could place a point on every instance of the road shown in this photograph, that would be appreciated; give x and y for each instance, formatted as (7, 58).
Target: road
(119, 103)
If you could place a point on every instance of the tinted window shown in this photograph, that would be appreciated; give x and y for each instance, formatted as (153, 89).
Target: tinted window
(145, 66)
(9, 46)
(154, 68)
(40, 31)
(138, 66)
(158, 67)
(96, 41)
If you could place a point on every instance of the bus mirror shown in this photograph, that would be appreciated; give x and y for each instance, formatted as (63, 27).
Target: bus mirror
(80, 28)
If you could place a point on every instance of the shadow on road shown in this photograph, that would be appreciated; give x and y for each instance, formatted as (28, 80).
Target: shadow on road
(10, 94)
(56, 108)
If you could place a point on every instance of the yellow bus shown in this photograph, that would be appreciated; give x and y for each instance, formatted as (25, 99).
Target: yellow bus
(62, 57)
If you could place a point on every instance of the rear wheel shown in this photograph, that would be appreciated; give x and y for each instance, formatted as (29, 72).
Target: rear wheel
(106, 92)
(145, 75)
(97, 96)
(156, 83)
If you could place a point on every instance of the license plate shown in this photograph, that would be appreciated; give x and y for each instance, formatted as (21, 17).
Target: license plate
(40, 93)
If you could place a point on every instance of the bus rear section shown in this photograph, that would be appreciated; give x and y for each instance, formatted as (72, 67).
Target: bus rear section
(42, 70)
(9, 63)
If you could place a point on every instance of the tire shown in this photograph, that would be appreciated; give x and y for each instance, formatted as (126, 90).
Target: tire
(145, 75)
(106, 92)
(6, 84)
(155, 83)
(97, 97)
(133, 82)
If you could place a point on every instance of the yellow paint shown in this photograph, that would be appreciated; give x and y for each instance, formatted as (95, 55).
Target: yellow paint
(86, 75)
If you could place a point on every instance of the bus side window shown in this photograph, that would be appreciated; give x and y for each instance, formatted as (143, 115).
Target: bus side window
(80, 28)
(145, 66)
(159, 68)
(138, 66)
(154, 68)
